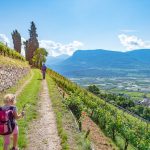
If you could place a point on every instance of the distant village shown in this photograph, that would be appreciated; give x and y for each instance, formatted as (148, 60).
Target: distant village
(144, 101)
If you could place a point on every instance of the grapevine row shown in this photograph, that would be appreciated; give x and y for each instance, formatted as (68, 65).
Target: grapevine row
(6, 51)
(112, 120)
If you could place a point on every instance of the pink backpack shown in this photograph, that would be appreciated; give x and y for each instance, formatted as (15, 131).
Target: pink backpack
(7, 123)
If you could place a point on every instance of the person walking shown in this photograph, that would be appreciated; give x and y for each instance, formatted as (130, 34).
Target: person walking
(44, 70)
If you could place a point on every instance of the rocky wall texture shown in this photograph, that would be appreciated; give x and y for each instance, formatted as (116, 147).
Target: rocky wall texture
(9, 75)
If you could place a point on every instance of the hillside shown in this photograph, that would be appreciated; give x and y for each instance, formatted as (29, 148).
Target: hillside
(50, 60)
(73, 117)
(56, 126)
(104, 63)
(11, 71)
(121, 126)
(141, 55)
(12, 62)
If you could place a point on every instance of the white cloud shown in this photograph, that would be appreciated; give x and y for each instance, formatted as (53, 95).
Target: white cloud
(4, 39)
(22, 46)
(23, 39)
(55, 48)
(133, 42)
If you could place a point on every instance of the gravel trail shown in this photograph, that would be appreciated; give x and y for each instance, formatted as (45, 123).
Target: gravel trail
(43, 134)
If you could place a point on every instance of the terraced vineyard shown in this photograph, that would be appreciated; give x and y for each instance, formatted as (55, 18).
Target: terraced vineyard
(6, 51)
(112, 121)
(115, 123)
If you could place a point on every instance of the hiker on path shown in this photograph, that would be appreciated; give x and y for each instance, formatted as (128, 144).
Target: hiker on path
(9, 115)
(44, 70)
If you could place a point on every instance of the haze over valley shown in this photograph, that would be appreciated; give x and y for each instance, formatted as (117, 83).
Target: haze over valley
(116, 72)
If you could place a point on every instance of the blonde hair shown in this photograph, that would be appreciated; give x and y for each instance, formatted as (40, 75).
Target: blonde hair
(9, 98)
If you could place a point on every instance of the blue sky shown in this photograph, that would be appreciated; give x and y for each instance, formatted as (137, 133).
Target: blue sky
(67, 25)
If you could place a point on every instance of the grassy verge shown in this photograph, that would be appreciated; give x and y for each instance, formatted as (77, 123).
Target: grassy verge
(71, 138)
(6, 61)
(58, 109)
(28, 96)
(14, 88)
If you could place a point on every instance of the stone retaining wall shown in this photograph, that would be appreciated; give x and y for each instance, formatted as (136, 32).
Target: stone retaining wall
(9, 75)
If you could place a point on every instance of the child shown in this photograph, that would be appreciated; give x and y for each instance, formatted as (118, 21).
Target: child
(9, 101)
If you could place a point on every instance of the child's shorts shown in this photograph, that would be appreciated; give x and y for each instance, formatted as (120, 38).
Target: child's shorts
(7, 137)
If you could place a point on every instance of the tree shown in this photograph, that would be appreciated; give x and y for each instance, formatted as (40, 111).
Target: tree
(26, 49)
(32, 31)
(146, 113)
(94, 89)
(32, 44)
(16, 40)
(39, 57)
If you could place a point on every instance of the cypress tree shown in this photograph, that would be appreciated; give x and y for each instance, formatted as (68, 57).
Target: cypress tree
(32, 43)
(16, 40)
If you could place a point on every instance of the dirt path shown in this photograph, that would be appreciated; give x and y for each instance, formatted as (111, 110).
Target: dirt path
(43, 131)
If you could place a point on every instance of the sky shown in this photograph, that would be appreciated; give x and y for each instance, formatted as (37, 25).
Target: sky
(64, 26)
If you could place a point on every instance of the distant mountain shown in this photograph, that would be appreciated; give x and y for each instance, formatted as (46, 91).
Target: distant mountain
(55, 60)
(142, 55)
(103, 62)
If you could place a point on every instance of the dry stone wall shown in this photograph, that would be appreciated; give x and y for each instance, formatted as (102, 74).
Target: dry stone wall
(9, 75)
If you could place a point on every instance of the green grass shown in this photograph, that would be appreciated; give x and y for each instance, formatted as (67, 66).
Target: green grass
(14, 88)
(6, 61)
(120, 143)
(29, 96)
(134, 95)
(58, 109)
(71, 138)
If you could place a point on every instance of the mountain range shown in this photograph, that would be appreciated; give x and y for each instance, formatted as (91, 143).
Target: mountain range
(51, 60)
(104, 63)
